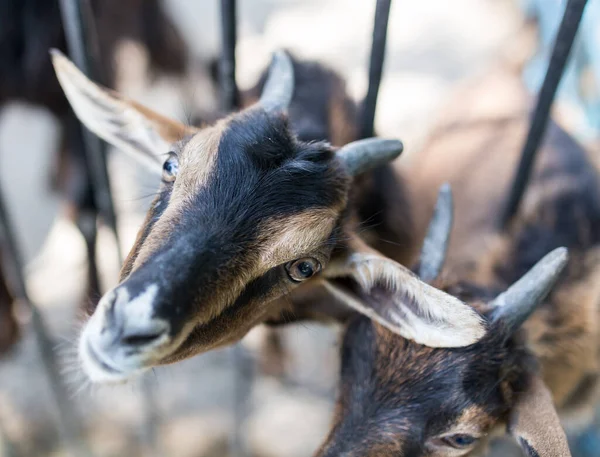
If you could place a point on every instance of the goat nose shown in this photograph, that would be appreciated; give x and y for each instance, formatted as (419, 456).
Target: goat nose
(138, 335)
(132, 320)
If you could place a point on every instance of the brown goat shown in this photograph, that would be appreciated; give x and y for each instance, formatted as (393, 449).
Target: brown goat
(27, 29)
(246, 213)
(401, 398)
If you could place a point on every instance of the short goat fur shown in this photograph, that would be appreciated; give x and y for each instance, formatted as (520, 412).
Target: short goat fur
(246, 213)
(540, 354)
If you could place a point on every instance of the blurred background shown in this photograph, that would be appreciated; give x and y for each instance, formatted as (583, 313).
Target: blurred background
(434, 46)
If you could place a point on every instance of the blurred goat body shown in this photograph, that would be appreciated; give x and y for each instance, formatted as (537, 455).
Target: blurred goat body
(397, 396)
(28, 29)
(478, 156)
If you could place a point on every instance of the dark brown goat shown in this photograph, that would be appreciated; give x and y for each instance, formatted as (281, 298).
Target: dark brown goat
(401, 398)
(27, 29)
(246, 213)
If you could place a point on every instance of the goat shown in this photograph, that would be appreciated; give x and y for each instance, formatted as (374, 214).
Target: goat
(398, 397)
(27, 28)
(245, 214)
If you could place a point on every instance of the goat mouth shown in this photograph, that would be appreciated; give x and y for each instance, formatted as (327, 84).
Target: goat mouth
(99, 361)
(204, 335)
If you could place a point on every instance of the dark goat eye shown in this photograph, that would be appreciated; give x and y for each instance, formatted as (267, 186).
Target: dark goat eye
(170, 168)
(459, 441)
(302, 269)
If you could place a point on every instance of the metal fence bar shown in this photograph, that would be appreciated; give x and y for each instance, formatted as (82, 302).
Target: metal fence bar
(83, 48)
(229, 90)
(68, 423)
(241, 360)
(556, 67)
(380, 25)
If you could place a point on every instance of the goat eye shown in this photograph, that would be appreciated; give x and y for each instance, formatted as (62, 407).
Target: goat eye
(459, 441)
(302, 269)
(170, 168)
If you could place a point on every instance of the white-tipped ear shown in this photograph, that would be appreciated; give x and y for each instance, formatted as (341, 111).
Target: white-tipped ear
(129, 126)
(393, 296)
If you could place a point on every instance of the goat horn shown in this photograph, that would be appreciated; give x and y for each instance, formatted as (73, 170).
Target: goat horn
(279, 87)
(520, 300)
(364, 155)
(435, 246)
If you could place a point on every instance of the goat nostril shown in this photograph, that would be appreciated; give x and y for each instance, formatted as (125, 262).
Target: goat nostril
(140, 339)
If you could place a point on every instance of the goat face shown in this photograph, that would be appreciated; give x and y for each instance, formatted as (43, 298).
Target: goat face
(250, 214)
(245, 213)
(400, 398)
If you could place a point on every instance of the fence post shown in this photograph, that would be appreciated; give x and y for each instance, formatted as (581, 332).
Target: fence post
(229, 90)
(68, 423)
(242, 362)
(84, 50)
(556, 67)
(380, 25)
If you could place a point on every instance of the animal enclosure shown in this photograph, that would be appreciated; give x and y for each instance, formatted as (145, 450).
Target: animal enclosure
(286, 409)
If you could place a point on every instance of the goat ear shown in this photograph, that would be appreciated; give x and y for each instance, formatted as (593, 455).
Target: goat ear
(393, 296)
(534, 423)
(123, 123)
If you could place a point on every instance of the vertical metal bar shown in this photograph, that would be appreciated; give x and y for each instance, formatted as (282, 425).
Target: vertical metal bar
(380, 25)
(80, 32)
(229, 89)
(242, 363)
(83, 48)
(69, 425)
(556, 67)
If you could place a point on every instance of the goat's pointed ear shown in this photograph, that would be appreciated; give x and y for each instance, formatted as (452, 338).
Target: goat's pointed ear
(123, 123)
(393, 296)
(534, 423)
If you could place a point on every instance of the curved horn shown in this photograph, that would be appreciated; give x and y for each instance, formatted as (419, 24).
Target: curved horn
(516, 304)
(364, 155)
(279, 87)
(435, 246)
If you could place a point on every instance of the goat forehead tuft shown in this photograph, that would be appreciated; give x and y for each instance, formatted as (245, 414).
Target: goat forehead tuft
(263, 137)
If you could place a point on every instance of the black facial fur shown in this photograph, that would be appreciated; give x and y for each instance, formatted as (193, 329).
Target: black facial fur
(396, 391)
(261, 173)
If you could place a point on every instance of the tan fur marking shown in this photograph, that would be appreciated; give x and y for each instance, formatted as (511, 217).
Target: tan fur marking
(157, 235)
(474, 421)
(169, 129)
(198, 159)
(296, 235)
(196, 162)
